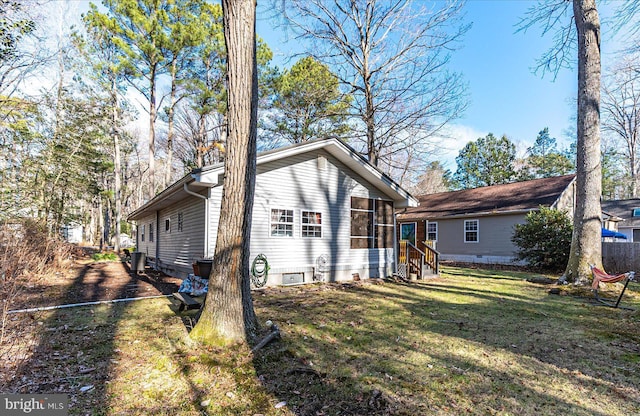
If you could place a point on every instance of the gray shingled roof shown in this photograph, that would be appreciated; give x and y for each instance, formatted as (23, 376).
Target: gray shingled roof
(623, 209)
(518, 196)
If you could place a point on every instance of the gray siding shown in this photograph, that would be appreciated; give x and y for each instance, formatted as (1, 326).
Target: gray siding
(180, 248)
(297, 183)
(495, 234)
(567, 200)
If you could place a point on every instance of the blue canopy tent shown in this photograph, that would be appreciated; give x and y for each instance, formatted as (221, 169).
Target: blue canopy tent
(612, 234)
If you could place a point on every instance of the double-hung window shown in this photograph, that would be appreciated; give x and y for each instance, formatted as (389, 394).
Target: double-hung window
(471, 231)
(432, 231)
(142, 233)
(281, 222)
(311, 226)
(151, 233)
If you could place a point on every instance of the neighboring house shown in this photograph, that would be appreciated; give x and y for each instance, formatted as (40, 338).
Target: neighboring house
(321, 212)
(72, 233)
(625, 218)
(476, 225)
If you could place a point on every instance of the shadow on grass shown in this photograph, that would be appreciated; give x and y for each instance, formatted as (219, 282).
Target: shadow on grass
(75, 346)
(407, 347)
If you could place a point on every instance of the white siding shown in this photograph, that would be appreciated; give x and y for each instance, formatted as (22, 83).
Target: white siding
(298, 184)
(215, 199)
(147, 247)
(180, 248)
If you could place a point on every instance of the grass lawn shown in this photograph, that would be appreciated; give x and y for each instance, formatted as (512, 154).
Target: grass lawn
(471, 342)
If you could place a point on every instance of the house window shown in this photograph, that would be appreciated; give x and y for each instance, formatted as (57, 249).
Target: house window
(371, 223)
(151, 233)
(636, 212)
(142, 233)
(281, 222)
(167, 225)
(180, 221)
(432, 231)
(408, 232)
(471, 231)
(311, 224)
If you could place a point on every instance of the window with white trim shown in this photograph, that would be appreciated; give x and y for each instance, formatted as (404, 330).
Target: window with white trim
(311, 224)
(281, 222)
(142, 233)
(432, 231)
(167, 225)
(471, 231)
(151, 233)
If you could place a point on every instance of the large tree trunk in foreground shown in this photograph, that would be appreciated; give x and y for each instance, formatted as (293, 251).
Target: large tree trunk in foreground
(228, 314)
(586, 247)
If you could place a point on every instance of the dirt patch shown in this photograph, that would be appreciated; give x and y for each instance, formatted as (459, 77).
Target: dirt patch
(87, 281)
(38, 343)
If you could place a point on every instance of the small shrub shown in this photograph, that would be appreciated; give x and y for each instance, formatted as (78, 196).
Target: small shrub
(107, 256)
(544, 240)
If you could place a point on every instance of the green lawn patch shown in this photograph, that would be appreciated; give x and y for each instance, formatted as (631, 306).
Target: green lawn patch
(471, 342)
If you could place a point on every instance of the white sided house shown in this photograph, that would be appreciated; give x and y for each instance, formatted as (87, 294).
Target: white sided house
(321, 213)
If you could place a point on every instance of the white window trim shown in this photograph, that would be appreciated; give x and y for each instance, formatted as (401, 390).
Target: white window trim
(477, 231)
(321, 225)
(293, 223)
(427, 230)
(167, 221)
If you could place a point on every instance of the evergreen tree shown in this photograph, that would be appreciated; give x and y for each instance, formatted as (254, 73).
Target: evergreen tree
(307, 104)
(487, 161)
(545, 160)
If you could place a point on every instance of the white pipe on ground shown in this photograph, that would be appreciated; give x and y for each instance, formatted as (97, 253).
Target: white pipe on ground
(73, 305)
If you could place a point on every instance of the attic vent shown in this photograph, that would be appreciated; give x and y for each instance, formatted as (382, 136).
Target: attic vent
(322, 163)
(636, 212)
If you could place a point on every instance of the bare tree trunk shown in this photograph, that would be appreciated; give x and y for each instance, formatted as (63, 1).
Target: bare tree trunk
(170, 132)
(152, 133)
(228, 315)
(586, 245)
(117, 170)
(200, 142)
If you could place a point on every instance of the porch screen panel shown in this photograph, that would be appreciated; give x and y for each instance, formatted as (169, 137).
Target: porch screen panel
(361, 223)
(371, 223)
(384, 224)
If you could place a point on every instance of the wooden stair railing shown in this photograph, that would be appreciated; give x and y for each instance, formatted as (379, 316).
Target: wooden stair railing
(415, 258)
(432, 259)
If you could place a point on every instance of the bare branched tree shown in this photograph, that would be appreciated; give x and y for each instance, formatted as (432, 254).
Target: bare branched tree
(392, 56)
(621, 115)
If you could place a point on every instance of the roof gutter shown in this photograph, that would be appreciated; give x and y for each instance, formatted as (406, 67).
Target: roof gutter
(190, 192)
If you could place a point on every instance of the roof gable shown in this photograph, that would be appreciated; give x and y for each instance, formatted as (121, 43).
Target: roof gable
(511, 197)
(211, 176)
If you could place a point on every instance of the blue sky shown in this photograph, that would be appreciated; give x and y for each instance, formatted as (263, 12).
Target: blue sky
(506, 96)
